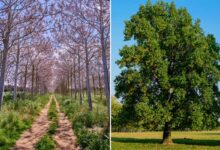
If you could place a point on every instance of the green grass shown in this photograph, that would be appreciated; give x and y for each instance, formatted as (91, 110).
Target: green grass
(53, 117)
(46, 143)
(192, 140)
(14, 119)
(84, 121)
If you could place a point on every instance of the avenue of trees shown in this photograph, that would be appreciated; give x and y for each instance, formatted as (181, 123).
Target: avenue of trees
(83, 31)
(48, 45)
(169, 78)
(24, 47)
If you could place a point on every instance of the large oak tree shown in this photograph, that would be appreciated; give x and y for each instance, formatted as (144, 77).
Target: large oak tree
(170, 74)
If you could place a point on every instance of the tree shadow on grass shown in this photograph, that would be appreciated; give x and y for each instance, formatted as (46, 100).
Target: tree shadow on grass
(176, 141)
(197, 142)
(134, 140)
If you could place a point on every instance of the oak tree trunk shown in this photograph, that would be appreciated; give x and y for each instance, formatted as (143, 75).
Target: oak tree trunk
(167, 139)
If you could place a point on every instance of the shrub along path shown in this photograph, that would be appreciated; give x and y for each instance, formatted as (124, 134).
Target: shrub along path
(64, 136)
(31, 136)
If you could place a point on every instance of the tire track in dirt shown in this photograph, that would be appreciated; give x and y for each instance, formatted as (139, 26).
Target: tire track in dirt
(30, 137)
(64, 136)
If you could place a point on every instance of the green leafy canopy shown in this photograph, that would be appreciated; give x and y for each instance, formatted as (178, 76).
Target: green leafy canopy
(171, 73)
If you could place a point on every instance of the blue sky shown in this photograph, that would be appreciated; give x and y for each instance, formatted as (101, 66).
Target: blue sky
(207, 11)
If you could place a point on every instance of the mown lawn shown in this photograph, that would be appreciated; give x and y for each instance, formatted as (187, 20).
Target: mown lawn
(202, 140)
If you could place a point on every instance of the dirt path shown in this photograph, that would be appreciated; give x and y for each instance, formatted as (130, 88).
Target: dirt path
(30, 137)
(64, 136)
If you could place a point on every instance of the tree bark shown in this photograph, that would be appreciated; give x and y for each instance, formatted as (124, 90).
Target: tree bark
(167, 139)
(83, 92)
(25, 79)
(94, 88)
(104, 59)
(88, 88)
(3, 70)
(100, 86)
(71, 82)
(32, 82)
(74, 75)
(68, 83)
(36, 80)
(79, 82)
(5, 40)
(38, 84)
(16, 73)
(1, 58)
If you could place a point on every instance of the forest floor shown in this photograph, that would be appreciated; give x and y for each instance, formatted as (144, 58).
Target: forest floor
(64, 136)
(190, 140)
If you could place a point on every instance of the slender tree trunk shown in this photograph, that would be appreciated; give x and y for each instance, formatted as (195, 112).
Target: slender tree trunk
(5, 40)
(104, 59)
(38, 84)
(94, 88)
(16, 73)
(3, 70)
(167, 139)
(100, 86)
(83, 91)
(32, 82)
(25, 80)
(71, 82)
(88, 88)
(44, 89)
(36, 80)
(80, 88)
(1, 59)
(67, 87)
(105, 68)
(74, 76)
(68, 83)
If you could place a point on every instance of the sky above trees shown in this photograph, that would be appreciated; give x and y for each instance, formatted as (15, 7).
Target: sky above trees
(207, 11)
